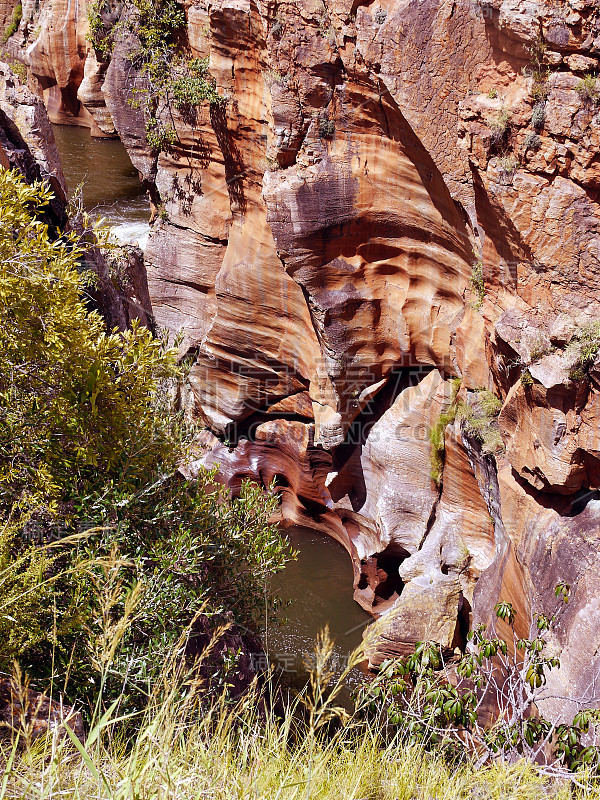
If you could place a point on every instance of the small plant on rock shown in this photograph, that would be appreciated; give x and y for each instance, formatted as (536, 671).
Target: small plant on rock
(326, 128)
(508, 164)
(526, 379)
(584, 348)
(499, 126)
(13, 25)
(539, 70)
(532, 142)
(481, 420)
(589, 89)
(438, 433)
(478, 283)
(538, 115)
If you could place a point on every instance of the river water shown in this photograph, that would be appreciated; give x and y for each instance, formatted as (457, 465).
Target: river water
(318, 585)
(110, 185)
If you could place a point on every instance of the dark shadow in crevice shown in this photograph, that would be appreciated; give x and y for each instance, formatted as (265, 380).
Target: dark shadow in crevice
(463, 624)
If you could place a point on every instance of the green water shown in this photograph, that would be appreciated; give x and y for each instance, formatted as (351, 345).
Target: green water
(319, 586)
(110, 185)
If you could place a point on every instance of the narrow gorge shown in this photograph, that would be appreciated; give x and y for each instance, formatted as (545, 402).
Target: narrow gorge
(382, 248)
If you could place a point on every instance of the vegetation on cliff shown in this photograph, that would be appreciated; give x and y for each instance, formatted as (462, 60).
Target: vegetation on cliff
(94, 514)
(152, 33)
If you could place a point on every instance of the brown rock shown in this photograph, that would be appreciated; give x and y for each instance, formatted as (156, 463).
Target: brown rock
(32, 714)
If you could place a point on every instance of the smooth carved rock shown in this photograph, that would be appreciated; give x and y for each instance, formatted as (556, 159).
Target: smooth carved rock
(319, 244)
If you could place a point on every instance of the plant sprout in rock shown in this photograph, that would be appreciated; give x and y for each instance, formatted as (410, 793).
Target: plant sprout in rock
(499, 126)
(477, 282)
(508, 165)
(481, 420)
(532, 142)
(588, 89)
(13, 25)
(438, 432)
(538, 115)
(526, 379)
(539, 70)
(326, 128)
(584, 348)
(446, 703)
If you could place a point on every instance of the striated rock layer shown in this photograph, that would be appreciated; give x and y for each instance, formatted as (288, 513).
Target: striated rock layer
(393, 195)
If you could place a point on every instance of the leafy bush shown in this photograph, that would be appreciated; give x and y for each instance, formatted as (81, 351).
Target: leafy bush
(89, 447)
(171, 78)
(13, 25)
(443, 704)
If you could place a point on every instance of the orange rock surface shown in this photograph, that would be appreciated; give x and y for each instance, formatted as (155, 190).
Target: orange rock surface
(391, 196)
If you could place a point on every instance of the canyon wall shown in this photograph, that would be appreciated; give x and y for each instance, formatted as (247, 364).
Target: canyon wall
(393, 216)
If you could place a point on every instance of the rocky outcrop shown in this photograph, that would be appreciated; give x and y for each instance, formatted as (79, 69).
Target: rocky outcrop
(27, 144)
(31, 714)
(392, 195)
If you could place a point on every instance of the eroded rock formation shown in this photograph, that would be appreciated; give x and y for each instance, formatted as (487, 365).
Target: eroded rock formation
(393, 195)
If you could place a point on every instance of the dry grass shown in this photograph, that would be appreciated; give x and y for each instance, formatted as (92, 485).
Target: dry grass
(185, 750)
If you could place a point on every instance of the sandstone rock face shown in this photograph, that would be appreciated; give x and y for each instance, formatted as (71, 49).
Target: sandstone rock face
(27, 144)
(391, 196)
(27, 141)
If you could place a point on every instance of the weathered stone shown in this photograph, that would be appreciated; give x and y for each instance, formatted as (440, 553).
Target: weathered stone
(389, 197)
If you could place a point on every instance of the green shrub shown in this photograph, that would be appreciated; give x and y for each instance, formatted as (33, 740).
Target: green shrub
(171, 80)
(440, 705)
(13, 25)
(90, 443)
(539, 348)
(184, 748)
(588, 89)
